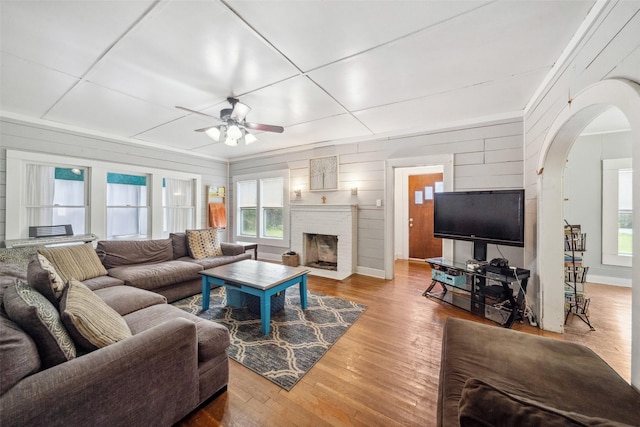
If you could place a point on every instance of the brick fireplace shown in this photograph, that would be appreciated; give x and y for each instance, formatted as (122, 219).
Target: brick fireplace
(324, 235)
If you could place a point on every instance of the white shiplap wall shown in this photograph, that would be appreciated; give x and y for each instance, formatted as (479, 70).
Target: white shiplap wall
(609, 49)
(486, 156)
(42, 139)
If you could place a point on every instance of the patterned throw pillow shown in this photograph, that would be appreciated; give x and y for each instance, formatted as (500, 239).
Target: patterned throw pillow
(40, 319)
(78, 261)
(203, 243)
(90, 321)
(57, 284)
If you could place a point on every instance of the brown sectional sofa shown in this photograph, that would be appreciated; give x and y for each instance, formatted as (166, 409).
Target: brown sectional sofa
(163, 266)
(491, 376)
(172, 362)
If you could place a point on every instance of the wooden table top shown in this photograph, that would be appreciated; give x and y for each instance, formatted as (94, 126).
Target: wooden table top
(255, 274)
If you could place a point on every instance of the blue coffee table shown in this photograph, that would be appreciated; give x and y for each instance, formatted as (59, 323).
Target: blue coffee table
(262, 279)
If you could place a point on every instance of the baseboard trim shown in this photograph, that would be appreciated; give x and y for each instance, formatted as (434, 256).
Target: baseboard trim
(607, 280)
(373, 272)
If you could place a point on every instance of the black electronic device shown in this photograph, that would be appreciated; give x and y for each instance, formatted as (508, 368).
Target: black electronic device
(481, 217)
(499, 262)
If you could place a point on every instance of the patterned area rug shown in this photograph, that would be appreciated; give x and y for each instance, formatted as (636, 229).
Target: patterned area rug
(298, 338)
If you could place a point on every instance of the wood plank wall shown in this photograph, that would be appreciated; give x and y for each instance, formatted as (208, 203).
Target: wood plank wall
(33, 138)
(609, 49)
(486, 156)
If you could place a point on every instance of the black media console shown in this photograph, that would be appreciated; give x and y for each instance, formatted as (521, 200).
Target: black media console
(493, 292)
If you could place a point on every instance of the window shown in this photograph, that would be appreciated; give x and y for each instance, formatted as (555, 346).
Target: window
(177, 205)
(262, 208)
(127, 206)
(97, 197)
(272, 195)
(625, 211)
(617, 212)
(56, 196)
(247, 208)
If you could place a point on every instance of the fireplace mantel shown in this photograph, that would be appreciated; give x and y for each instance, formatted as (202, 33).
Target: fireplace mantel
(336, 220)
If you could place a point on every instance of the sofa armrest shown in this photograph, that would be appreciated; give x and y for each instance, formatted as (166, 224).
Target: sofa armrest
(148, 379)
(231, 248)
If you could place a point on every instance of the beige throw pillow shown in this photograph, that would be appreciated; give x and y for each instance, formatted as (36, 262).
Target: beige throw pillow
(90, 321)
(203, 243)
(78, 261)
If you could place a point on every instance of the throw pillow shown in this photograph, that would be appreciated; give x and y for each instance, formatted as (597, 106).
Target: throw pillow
(40, 319)
(57, 284)
(179, 243)
(78, 261)
(203, 243)
(90, 321)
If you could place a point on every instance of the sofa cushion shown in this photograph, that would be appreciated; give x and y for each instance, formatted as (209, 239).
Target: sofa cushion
(41, 320)
(203, 243)
(179, 243)
(102, 282)
(127, 299)
(130, 252)
(89, 320)
(78, 261)
(483, 404)
(216, 261)
(18, 354)
(213, 338)
(154, 276)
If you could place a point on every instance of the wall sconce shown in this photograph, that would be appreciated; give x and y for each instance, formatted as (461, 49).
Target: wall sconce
(298, 192)
(354, 191)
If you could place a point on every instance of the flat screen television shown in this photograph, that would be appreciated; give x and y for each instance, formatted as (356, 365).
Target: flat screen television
(482, 217)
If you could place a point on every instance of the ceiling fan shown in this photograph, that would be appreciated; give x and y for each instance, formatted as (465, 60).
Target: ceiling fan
(234, 128)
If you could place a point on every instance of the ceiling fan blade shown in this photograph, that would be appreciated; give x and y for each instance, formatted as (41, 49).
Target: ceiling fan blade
(266, 128)
(240, 111)
(197, 112)
(204, 129)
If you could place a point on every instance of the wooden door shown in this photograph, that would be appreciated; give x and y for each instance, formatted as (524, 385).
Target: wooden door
(422, 244)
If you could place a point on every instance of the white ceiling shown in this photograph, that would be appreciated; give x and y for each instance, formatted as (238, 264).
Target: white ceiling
(325, 70)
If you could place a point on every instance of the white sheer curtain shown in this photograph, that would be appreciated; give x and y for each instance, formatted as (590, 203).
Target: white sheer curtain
(40, 194)
(178, 205)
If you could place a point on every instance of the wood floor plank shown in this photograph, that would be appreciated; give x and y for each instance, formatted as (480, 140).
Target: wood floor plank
(384, 370)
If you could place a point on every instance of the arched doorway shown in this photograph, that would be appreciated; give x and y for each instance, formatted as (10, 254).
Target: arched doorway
(583, 108)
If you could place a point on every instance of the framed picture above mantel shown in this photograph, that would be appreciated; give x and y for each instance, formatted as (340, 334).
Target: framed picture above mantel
(323, 173)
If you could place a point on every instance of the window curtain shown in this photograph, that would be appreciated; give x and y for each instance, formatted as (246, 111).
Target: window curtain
(178, 205)
(40, 194)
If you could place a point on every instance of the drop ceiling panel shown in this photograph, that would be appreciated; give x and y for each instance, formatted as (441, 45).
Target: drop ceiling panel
(29, 88)
(493, 98)
(337, 127)
(312, 34)
(293, 101)
(192, 53)
(65, 35)
(91, 106)
(492, 43)
(179, 133)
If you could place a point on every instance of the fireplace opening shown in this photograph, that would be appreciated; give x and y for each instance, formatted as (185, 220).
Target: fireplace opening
(321, 251)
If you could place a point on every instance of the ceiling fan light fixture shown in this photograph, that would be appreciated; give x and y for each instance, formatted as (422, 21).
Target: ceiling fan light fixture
(234, 132)
(214, 133)
(231, 142)
(249, 139)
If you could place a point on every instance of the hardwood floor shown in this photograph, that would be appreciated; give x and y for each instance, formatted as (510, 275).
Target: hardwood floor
(384, 370)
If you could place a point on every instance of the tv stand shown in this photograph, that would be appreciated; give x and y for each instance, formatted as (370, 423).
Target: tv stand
(493, 293)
